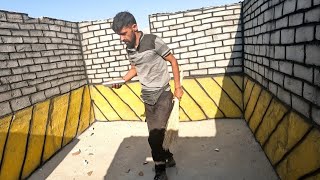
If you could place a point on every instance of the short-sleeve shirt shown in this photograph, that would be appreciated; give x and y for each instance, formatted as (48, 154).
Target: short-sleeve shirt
(148, 58)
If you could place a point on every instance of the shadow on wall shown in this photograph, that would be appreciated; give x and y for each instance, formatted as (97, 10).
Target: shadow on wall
(224, 149)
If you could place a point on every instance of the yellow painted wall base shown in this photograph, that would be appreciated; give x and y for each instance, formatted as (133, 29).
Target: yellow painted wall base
(204, 98)
(31, 136)
(291, 142)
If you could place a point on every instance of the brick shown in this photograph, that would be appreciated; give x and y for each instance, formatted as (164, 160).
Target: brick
(304, 34)
(157, 24)
(214, 44)
(206, 52)
(273, 88)
(202, 27)
(217, 71)
(295, 53)
(170, 33)
(296, 19)
(284, 96)
(289, 6)
(316, 2)
(204, 40)
(280, 52)
(313, 54)
(275, 37)
(316, 114)
(281, 23)
(304, 4)
(5, 108)
(184, 20)
(221, 37)
(231, 29)
(222, 49)
(312, 15)
(303, 72)
(207, 65)
(285, 67)
(300, 105)
(179, 38)
(278, 78)
(192, 23)
(187, 43)
(189, 55)
(278, 11)
(199, 72)
(311, 93)
(8, 25)
(187, 67)
(20, 103)
(51, 92)
(293, 85)
(318, 32)
(213, 31)
(170, 22)
(223, 63)
(287, 36)
(202, 16)
(28, 90)
(197, 47)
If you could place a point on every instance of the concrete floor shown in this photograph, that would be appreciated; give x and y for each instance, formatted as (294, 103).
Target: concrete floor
(211, 149)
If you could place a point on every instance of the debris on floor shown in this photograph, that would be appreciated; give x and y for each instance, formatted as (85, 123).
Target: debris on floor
(146, 162)
(128, 171)
(76, 153)
(216, 149)
(89, 173)
(141, 173)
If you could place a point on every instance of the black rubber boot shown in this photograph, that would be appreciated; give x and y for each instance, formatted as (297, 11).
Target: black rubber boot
(170, 162)
(160, 172)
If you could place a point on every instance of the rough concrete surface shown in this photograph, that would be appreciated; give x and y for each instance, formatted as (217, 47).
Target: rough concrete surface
(211, 149)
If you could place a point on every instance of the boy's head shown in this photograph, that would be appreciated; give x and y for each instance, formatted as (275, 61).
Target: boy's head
(125, 25)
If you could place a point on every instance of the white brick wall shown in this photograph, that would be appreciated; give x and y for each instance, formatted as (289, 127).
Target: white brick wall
(288, 59)
(40, 54)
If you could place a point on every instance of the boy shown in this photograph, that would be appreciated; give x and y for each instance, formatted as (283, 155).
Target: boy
(148, 56)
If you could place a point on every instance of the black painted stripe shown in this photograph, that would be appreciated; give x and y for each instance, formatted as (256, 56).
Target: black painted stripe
(275, 128)
(100, 110)
(245, 108)
(227, 94)
(134, 93)
(81, 109)
(224, 115)
(293, 147)
(234, 81)
(262, 119)
(185, 90)
(27, 144)
(126, 104)
(254, 108)
(186, 114)
(6, 141)
(46, 132)
(311, 174)
(66, 119)
(108, 102)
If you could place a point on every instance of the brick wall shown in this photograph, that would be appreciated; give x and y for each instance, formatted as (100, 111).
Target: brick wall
(39, 58)
(104, 54)
(205, 41)
(282, 50)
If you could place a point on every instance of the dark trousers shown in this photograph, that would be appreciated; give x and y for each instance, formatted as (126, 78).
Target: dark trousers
(157, 116)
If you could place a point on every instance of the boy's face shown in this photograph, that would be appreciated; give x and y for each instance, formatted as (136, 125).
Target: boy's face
(128, 36)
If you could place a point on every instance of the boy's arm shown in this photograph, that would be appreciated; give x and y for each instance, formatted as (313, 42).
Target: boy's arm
(178, 92)
(130, 74)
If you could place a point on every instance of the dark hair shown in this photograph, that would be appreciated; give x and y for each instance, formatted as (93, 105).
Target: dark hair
(121, 20)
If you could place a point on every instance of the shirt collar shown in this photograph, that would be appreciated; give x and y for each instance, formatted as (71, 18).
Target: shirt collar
(136, 49)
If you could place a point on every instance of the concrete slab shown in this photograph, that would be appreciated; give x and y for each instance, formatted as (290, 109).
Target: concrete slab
(211, 149)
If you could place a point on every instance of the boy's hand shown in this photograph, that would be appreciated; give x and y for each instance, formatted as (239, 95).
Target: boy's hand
(178, 92)
(116, 86)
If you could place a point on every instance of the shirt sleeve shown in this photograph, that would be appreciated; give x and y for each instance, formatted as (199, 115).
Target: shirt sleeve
(161, 47)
